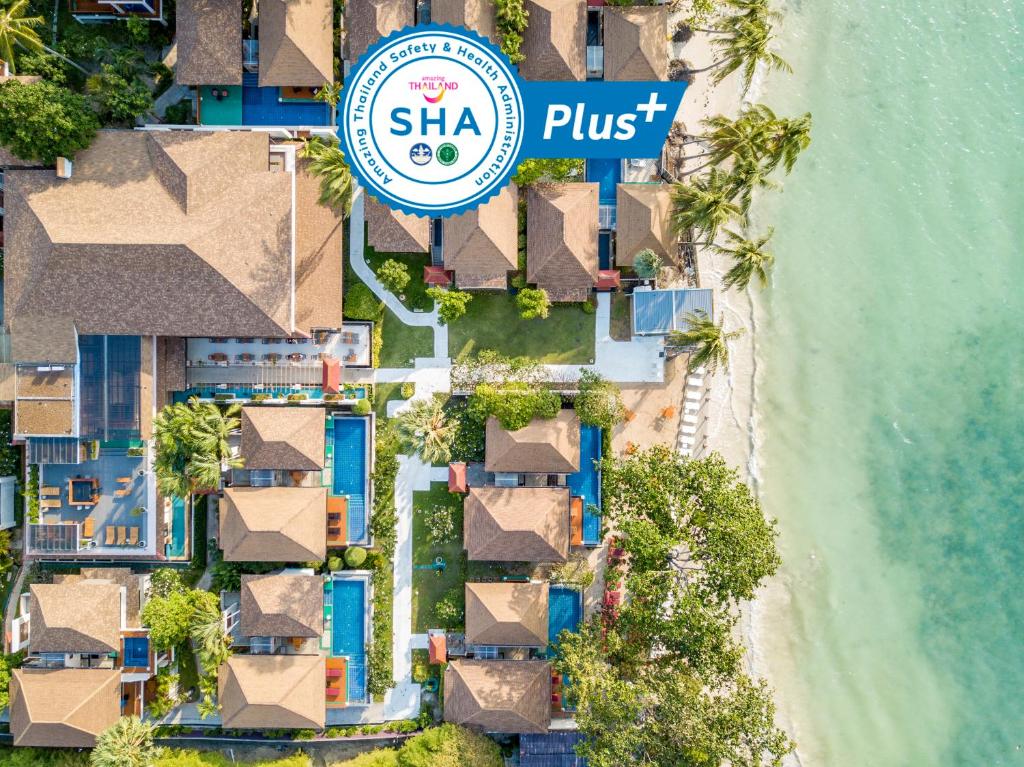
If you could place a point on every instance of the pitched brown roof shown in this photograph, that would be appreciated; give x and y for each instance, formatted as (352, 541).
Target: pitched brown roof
(544, 446)
(507, 614)
(282, 605)
(274, 524)
(366, 21)
(634, 43)
(288, 439)
(273, 691)
(209, 38)
(477, 15)
(511, 696)
(644, 220)
(391, 231)
(63, 707)
(195, 209)
(318, 266)
(555, 41)
(296, 42)
(75, 617)
(481, 246)
(561, 230)
(517, 524)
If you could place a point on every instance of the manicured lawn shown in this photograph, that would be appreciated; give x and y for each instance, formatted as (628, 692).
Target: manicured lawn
(492, 321)
(383, 394)
(416, 291)
(428, 587)
(403, 342)
(621, 323)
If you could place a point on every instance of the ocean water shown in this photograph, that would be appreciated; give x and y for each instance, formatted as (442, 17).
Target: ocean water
(891, 386)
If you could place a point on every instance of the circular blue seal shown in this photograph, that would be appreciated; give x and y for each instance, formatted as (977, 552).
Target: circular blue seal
(432, 85)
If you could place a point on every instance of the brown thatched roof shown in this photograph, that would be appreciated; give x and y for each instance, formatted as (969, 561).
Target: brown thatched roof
(477, 15)
(64, 708)
(288, 439)
(296, 42)
(555, 41)
(544, 446)
(209, 39)
(561, 231)
(644, 220)
(273, 691)
(274, 524)
(634, 43)
(511, 696)
(178, 228)
(282, 605)
(507, 614)
(482, 246)
(517, 524)
(391, 231)
(366, 21)
(83, 617)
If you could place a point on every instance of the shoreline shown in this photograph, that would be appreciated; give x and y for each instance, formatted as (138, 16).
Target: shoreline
(731, 426)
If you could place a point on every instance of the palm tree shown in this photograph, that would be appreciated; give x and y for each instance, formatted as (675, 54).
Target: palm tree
(790, 137)
(750, 257)
(424, 429)
(192, 446)
(743, 45)
(748, 175)
(126, 743)
(743, 9)
(212, 644)
(18, 29)
(709, 342)
(704, 204)
(328, 162)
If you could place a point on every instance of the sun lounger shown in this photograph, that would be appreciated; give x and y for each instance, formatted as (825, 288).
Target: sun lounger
(692, 407)
(690, 418)
(109, 535)
(122, 535)
(49, 490)
(50, 503)
(124, 480)
(333, 673)
(693, 394)
(688, 429)
(122, 492)
(88, 527)
(133, 536)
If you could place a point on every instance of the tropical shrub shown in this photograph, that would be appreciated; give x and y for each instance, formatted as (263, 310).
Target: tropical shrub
(42, 121)
(334, 564)
(511, 19)
(533, 303)
(121, 100)
(514, 404)
(408, 389)
(362, 304)
(575, 572)
(192, 446)
(598, 401)
(451, 303)
(423, 428)
(440, 522)
(362, 407)
(557, 170)
(393, 275)
(449, 609)
(355, 556)
(647, 264)
(7, 664)
(126, 743)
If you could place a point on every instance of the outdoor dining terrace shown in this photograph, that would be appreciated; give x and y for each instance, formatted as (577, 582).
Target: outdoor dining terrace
(99, 507)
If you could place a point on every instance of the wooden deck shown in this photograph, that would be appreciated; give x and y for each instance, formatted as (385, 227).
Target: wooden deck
(337, 526)
(576, 521)
(336, 688)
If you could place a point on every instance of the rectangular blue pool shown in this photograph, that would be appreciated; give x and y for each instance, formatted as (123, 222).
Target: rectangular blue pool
(264, 106)
(176, 548)
(565, 611)
(607, 174)
(136, 652)
(348, 631)
(246, 392)
(586, 483)
(351, 470)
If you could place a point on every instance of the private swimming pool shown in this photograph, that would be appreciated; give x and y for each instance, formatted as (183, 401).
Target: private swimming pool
(247, 392)
(350, 468)
(348, 630)
(176, 548)
(565, 611)
(607, 174)
(586, 483)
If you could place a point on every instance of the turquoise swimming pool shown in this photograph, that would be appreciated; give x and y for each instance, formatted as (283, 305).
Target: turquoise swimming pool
(348, 631)
(586, 483)
(565, 611)
(179, 530)
(350, 440)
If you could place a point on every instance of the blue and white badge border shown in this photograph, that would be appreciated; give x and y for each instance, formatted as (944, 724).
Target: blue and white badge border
(359, 154)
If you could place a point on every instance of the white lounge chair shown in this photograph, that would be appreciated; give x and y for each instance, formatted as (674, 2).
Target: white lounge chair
(689, 418)
(688, 429)
(693, 394)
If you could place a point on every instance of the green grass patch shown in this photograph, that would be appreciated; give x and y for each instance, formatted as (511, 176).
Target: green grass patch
(188, 676)
(492, 321)
(383, 393)
(621, 322)
(415, 292)
(403, 343)
(429, 587)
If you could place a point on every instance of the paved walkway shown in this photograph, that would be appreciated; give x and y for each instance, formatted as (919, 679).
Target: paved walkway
(356, 248)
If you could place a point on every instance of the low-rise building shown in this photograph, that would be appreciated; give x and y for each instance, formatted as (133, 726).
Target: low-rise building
(503, 696)
(562, 239)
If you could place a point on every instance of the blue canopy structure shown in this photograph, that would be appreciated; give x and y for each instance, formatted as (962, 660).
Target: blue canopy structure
(660, 312)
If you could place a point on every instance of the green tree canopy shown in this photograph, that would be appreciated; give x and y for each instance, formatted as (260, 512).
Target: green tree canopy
(192, 446)
(530, 171)
(393, 275)
(705, 204)
(533, 303)
(42, 121)
(647, 264)
(598, 401)
(708, 342)
(327, 161)
(451, 304)
(126, 743)
(170, 619)
(121, 97)
(424, 429)
(514, 403)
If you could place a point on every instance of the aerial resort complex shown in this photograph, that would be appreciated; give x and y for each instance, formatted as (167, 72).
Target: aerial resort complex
(289, 463)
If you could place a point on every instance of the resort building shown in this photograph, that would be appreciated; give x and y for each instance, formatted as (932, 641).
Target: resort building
(366, 21)
(644, 222)
(482, 246)
(82, 634)
(391, 231)
(209, 40)
(562, 239)
(477, 15)
(296, 45)
(555, 40)
(660, 312)
(98, 319)
(517, 524)
(272, 692)
(499, 696)
(543, 447)
(282, 613)
(507, 615)
(634, 42)
(274, 524)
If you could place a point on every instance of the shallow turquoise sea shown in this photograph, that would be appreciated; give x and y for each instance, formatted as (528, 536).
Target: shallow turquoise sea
(891, 391)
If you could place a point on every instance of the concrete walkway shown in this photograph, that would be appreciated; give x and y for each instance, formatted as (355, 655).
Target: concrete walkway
(356, 250)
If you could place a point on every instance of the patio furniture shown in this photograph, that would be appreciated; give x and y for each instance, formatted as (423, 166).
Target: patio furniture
(122, 492)
(88, 527)
(218, 357)
(133, 536)
(333, 691)
(49, 490)
(245, 357)
(124, 480)
(122, 535)
(271, 357)
(334, 673)
(351, 357)
(296, 357)
(109, 535)
(50, 503)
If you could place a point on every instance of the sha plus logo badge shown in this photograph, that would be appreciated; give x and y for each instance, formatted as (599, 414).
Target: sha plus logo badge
(433, 120)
